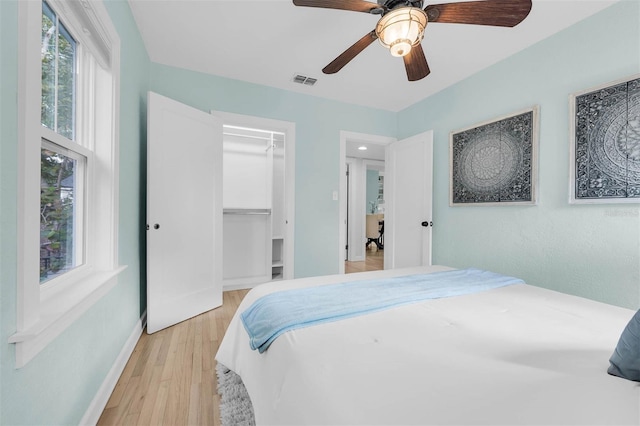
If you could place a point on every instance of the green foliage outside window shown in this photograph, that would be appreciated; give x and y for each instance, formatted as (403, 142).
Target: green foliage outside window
(58, 75)
(57, 171)
(56, 213)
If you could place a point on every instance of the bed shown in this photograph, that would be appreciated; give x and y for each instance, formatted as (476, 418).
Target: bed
(516, 354)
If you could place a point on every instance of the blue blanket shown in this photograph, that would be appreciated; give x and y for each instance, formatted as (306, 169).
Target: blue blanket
(276, 313)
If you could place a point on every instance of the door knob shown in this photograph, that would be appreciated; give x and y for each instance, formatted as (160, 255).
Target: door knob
(156, 226)
(427, 224)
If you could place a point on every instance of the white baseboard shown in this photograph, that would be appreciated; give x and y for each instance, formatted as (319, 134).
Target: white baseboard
(93, 413)
(231, 287)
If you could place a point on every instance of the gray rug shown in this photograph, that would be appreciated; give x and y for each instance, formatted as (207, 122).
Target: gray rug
(235, 404)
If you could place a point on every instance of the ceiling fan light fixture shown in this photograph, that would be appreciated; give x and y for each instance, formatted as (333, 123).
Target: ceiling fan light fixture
(400, 48)
(401, 29)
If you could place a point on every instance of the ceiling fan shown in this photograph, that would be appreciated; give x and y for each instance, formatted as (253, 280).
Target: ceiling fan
(402, 23)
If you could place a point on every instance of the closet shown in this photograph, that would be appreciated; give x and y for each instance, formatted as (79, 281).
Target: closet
(253, 199)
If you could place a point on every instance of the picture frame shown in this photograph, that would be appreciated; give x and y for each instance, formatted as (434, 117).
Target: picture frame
(604, 135)
(495, 162)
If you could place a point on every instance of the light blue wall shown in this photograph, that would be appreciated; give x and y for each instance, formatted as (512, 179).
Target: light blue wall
(57, 386)
(372, 190)
(588, 250)
(318, 125)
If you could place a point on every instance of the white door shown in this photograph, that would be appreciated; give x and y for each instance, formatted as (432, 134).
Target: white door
(184, 212)
(408, 190)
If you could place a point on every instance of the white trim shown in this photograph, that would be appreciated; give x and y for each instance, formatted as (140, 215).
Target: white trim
(346, 136)
(357, 211)
(572, 148)
(43, 312)
(59, 313)
(63, 142)
(29, 69)
(83, 16)
(100, 400)
(353, 255)
(289, 129)
(241, 286)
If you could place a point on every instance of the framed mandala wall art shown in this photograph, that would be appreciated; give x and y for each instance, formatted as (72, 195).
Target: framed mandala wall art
(495, 163)
(605, 143)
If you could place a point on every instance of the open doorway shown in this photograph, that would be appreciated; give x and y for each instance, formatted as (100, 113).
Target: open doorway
(258, 200)
(362, 201)
(373, 258)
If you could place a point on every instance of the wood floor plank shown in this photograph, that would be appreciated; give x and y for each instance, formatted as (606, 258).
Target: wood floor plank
(166, 334)
(183, 370)
(374, 261)
(196, 371)
(144, 355)
(120, 411)
(167, 371)
(150, 396)
(194, 417)
(157, 414)
(145, 387)
(207, 355)
(206, 404)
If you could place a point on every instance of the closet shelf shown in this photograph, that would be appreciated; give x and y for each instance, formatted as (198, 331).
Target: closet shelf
(247, 211)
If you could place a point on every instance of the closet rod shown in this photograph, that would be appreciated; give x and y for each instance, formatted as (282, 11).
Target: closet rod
(247, 211)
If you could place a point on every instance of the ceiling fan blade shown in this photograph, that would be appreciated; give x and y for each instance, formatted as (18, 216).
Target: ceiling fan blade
(346, 56)
(500, 13)
(416, 64)
(354, 5)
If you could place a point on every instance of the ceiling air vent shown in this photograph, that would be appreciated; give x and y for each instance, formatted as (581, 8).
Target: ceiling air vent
(301, 79)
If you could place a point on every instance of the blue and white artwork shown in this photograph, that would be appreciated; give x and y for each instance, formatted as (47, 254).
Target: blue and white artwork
(494, 162)
(606, 143)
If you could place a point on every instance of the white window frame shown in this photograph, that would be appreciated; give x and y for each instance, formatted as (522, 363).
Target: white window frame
(45, 311)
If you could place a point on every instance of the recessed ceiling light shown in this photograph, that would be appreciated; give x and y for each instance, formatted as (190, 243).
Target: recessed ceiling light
(362, 148)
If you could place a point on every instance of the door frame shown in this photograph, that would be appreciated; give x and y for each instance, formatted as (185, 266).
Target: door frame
(347, 136)
(289, 129)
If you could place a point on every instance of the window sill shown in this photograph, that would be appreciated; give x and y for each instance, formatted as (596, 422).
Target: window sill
(58, 313)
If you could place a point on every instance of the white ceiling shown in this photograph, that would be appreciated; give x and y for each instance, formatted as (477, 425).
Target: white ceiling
(267, 42)
(374, 151)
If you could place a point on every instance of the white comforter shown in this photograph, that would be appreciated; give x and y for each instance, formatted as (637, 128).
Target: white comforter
(514, 355)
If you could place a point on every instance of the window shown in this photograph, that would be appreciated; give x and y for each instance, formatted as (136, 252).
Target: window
(61, 219)
(62, 167)
(58, 87)
(68, 119)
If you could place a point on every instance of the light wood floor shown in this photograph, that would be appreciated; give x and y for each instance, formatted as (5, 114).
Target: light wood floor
(374, 261)
(170, 378)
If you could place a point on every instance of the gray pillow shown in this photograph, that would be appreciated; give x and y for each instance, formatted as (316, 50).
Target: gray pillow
(625, 361)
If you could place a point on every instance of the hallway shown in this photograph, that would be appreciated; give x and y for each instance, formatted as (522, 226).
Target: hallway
(374, 262)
